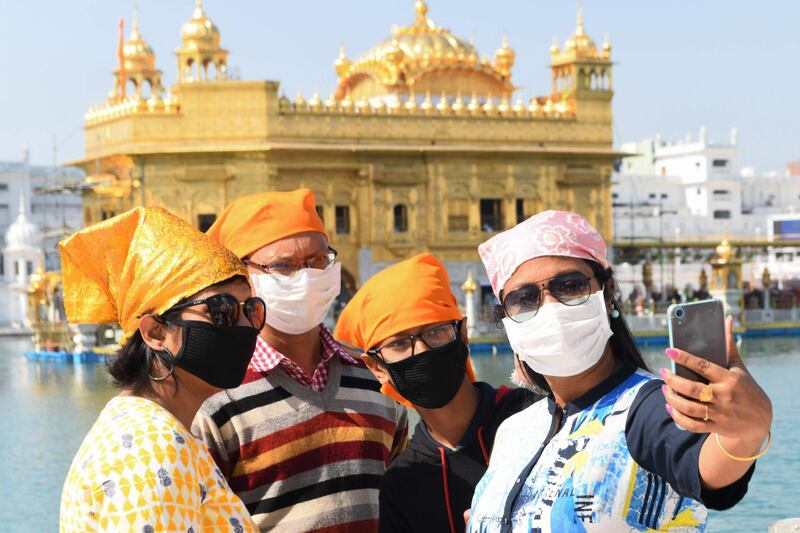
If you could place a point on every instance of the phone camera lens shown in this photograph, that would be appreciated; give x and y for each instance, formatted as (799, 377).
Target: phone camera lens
(679, 313)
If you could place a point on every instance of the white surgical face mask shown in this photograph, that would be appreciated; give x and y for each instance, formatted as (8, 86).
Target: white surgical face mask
(562, 340)
(298, 303)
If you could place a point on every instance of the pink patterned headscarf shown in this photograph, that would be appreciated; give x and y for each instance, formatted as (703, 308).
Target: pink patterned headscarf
(548, 233)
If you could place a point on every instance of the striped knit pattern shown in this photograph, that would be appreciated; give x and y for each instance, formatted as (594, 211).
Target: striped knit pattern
(303, 460)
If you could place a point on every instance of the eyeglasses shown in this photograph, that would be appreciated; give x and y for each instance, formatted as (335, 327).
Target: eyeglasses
(287, 268)
(569, 288)
(224, 309)
(433, 337)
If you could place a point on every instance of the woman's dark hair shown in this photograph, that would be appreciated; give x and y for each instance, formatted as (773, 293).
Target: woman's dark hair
(623, 345)
(130, 367)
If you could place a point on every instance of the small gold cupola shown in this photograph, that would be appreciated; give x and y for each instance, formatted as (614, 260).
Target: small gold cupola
(200, 56)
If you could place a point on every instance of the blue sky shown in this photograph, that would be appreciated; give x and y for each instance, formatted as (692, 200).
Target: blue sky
(681, 64)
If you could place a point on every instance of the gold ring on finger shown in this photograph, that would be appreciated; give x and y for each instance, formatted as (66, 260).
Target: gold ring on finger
(706, 394)
(705, 418)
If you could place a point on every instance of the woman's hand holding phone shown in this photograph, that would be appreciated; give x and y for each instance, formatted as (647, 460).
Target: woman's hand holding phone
(739, 410)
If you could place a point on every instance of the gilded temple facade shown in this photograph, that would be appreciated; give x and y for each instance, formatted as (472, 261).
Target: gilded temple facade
(422, 146)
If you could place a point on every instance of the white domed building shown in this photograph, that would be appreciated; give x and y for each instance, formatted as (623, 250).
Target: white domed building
(22, 255)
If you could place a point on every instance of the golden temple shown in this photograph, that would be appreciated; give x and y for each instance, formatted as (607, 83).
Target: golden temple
(421, 147)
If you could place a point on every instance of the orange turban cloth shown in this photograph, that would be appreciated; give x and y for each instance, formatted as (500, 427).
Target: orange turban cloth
(412, 293)
(143, 261)
(254, 221)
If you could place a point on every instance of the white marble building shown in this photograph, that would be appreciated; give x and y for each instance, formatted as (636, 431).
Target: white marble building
(696, 190)
(38, 207)
(22, 256)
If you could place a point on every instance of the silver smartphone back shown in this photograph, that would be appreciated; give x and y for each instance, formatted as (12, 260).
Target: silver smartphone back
(698, 328)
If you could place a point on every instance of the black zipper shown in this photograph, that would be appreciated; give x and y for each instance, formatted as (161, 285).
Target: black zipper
(555, 426)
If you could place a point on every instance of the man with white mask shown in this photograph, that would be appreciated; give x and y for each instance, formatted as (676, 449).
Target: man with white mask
(306, 438)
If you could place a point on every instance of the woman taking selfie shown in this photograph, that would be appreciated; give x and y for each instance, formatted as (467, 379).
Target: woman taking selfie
(189, 328)
(604, 452)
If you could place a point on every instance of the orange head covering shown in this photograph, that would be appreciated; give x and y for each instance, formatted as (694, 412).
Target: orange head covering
(143, 261)
(254, 221)
(412, 293)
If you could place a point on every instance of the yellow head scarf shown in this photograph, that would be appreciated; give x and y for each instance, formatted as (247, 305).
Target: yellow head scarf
(143, 261)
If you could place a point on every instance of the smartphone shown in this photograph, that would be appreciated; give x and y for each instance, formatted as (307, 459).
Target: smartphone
(698, 328)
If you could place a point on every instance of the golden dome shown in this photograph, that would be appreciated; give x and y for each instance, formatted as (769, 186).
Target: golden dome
(724, 251)
(423, 56)
(504, 58)
(199, 31)
(36, 282)
(423, 40)
(137, 53)
(342, 64)
(579, 40)
(580, 45)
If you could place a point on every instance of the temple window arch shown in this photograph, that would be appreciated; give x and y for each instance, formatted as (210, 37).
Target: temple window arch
(400, 218)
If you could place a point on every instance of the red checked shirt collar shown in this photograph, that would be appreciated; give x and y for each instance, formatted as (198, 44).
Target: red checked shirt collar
(266, 358)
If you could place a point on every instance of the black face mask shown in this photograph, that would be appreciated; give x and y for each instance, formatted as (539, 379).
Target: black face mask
(218, 355)
(431, 379)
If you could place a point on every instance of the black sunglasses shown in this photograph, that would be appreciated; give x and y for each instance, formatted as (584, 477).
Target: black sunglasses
(224, 309)
(569, 288)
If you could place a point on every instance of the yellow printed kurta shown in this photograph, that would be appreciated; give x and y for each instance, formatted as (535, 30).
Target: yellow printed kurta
(139, 469)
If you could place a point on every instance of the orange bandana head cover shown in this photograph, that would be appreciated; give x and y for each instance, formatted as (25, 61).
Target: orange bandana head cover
(143, 261)
(412, 293)
(254, 221)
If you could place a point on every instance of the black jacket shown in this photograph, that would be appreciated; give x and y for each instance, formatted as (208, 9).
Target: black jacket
(429, 486)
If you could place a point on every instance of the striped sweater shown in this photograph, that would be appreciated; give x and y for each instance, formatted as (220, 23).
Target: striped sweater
(303, 460)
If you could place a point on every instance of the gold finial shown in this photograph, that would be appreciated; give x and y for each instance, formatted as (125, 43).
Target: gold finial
(135, 25)
(422, 10)
(331, 103)
(346, 103)
(427, 104)
(155, 103)
(474, 106)
(519, 106)
(724, 250)
(299, 100)
(198, 9)
(411, 103)
(579, 26)
(606, 44)
(458, 104)
(488, 106)
(443, 105)
(315, 103)
(342, 64)
(554, 46)
(504, 106)
(504, 58)
(469, 286)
